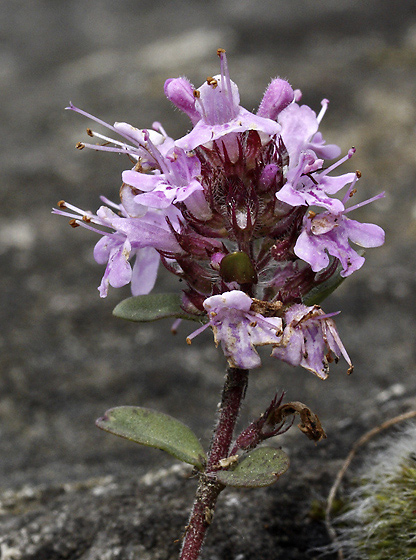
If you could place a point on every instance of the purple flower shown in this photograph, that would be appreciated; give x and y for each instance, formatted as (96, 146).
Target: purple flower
(175, 183)
(217, 102)
(304, 187)
(144, 146)
(238, 328)
(300, 133)
(130, 237)
(306, 153)
(164, 174)
(309, 339)
(116, 251)
(328, 233)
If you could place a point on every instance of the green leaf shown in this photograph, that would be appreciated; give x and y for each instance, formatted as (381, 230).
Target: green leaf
(261, 467)
(152, 307)
(321, 292)
(154, 429)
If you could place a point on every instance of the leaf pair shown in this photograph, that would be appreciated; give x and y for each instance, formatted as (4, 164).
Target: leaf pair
(152, 307)
(260, 467)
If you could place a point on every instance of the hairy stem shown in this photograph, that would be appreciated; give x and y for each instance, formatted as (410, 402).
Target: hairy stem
(208, 489)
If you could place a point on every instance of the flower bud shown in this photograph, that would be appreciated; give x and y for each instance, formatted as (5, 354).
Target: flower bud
(181, 92)
(277, 97)
(237, 267)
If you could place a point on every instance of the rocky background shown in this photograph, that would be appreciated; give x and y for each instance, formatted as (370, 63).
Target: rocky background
(69, 491)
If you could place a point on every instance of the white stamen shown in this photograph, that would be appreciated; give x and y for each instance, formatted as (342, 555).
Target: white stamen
(324, 104)
(106, 125)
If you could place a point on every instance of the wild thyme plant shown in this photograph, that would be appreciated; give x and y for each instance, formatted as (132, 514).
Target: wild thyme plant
(242, 209)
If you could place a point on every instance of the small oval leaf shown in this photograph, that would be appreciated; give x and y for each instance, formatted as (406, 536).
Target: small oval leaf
(154, 429)
(322, 291)
(261, 467)
(152, 307)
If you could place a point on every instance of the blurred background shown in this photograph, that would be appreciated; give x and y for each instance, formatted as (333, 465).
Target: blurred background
(64, 358)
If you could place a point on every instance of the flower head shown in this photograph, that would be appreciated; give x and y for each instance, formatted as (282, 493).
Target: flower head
(243, 209)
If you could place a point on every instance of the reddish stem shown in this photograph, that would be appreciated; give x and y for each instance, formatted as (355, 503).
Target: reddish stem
(208, 489)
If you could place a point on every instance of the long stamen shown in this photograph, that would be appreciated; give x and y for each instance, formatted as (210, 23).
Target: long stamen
(349, 155)
(311, 316)
(159, 128)
(67, 205)
(197, 332)
(301, 168)
(106, 125)
(85, 220)
(65, 214)
(351, 189)
(265, 322)
(99, 148)
(78, 214)
(324, 104)
(118, 207)
(95, 134)
(197, 95)
(154, 152)
(368, 201)
(225, 77)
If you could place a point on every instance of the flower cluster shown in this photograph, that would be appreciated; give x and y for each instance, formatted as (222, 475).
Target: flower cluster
(242, 209)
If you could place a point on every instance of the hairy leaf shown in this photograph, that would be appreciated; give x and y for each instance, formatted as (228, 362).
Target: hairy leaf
(261, 467)
(154, 429)
(152, 307)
